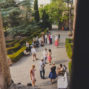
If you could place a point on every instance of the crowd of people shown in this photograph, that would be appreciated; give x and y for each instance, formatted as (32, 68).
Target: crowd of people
(58, 73)
(47, 58)
(41, 41)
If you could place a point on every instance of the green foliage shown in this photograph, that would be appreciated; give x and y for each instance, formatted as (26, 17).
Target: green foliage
(27, 5)
(69, 66)
(45, 18)
(7, 3)
(10, 1)
(69, 45)
(11, 43)
(15, 15)
(24, 30)
(36, 11)
(14, 19)
(55, 11)
(17, 55)
(10, 13)
(14, 48)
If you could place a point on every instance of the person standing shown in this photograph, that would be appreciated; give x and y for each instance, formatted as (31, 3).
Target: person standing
(27, 46)
(51, 39)
(52, 74)
(49, 36)
(46, 39)
(33, 51)
(40, 41)
(60, 70)
(62, 81)
(56, 41)
(42, 69)
(59, 35)
(49, 56)
(45, 55)
(37, 42)
(26, 52)
(32, 75)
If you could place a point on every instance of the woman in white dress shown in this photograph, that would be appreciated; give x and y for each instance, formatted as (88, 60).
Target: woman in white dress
(33, 51)
(62, 82)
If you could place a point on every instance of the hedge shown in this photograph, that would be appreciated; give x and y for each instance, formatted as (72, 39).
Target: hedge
(69, 65)
(16, 56)
(9, 41)
(14, 48)
(69, 45)
(12, 43)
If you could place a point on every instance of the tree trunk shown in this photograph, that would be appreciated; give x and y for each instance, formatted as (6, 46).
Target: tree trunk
(5, 77)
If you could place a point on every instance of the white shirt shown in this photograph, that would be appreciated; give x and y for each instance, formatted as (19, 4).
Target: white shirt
(27, 44)
(45, 36)
(45, 53)
(40, 40)
(33, 50)
(26, 52)
(41, 66)
(51, 36)
(56, 37)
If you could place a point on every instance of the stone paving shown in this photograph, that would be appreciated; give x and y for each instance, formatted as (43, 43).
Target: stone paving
(20, 71)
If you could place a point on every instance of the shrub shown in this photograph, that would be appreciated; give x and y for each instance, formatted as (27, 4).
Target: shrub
(69, 65)
(8, 41)
(12, 43)
(69, 45)
(69, 49)
(68, 40)
(14, 48)
(16, 56)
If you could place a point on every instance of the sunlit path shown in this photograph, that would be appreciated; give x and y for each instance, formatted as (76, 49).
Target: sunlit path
(20, 71)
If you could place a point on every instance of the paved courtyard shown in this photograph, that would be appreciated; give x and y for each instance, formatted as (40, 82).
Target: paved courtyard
(20, 71)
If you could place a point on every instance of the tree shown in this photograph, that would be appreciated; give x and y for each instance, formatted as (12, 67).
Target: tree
(14, 19)
(17, 17)
(5, 77)
(36, 11)
(45, 20)
(55, 11)
(26, 4)
(10, 1)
